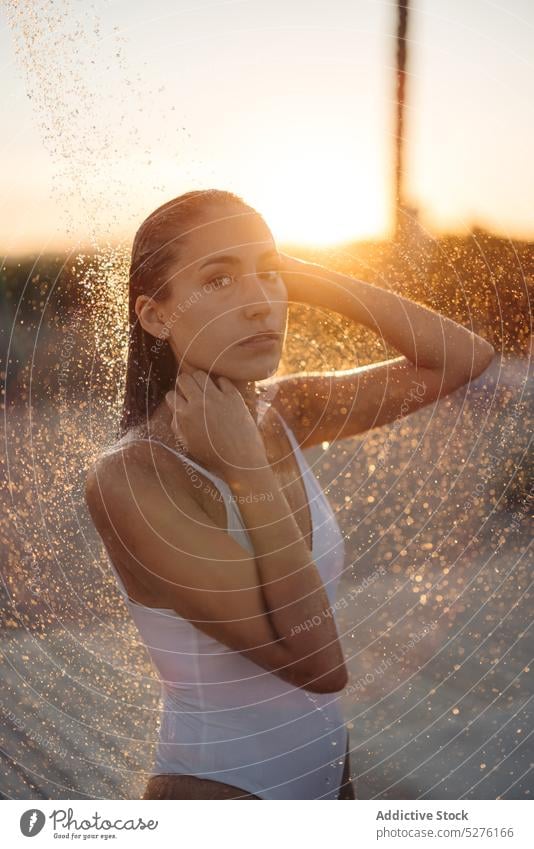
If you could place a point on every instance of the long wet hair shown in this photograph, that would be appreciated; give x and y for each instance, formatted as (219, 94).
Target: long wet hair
(151, 367)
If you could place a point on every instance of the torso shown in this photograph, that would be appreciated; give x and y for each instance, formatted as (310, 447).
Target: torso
(287, 472)
(281, 459)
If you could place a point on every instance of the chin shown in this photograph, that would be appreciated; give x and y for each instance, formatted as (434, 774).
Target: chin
(247, 364)
(256, 368)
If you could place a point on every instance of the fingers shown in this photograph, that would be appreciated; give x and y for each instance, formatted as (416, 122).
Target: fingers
(175, 402)
(189, 385)
(204, 380)
(186, 385)
(226, 385)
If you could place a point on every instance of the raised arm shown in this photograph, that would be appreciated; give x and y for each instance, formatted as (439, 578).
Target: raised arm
(438, 356)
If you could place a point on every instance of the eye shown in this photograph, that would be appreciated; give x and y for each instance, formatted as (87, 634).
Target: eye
(215, 282)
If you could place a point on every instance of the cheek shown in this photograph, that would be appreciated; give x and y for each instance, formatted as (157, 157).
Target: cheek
(200, 331)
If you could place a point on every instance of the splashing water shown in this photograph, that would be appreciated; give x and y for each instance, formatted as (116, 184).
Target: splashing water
(434, 605)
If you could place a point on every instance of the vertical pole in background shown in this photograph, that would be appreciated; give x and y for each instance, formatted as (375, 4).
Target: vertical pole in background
(402, 27)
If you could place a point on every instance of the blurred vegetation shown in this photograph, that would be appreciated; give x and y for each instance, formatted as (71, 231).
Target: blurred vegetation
(482, 281)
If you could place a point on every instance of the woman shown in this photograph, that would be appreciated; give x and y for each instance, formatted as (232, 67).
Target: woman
(226, 549)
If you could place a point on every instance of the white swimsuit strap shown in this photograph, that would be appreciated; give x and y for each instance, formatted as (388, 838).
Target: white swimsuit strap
(301, 459)
(214, 478)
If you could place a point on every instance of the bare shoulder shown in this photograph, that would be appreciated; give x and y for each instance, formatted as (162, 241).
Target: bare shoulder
(131, 464)
(141, 466)
(137, 484)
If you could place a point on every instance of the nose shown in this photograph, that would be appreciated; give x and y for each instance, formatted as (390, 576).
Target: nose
(258, 299)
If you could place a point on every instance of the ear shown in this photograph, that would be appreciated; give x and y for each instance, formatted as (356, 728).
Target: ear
(150, 316)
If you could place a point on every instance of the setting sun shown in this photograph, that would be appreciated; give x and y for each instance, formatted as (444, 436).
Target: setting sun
(321, 200)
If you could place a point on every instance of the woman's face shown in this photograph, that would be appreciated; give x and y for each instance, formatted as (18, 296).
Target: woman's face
(215, 303)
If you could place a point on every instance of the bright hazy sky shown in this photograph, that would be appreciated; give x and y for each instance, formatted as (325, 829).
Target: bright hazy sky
(116, 107)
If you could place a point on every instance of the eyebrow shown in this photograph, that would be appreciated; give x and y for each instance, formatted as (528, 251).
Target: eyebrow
(234, 259)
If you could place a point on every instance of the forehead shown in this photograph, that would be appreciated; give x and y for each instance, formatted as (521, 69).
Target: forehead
(228, 230)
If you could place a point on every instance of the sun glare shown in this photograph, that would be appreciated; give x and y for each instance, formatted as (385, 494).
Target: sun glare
(322, 204)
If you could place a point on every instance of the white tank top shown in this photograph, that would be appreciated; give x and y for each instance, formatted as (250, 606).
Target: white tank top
(226, 718)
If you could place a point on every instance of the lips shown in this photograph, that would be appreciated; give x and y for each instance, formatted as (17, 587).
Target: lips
(258, 338)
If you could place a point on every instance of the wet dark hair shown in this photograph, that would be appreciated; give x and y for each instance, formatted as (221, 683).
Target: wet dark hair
(151, 368)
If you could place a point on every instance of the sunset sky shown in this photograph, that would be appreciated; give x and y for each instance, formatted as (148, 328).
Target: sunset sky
(113, 108)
